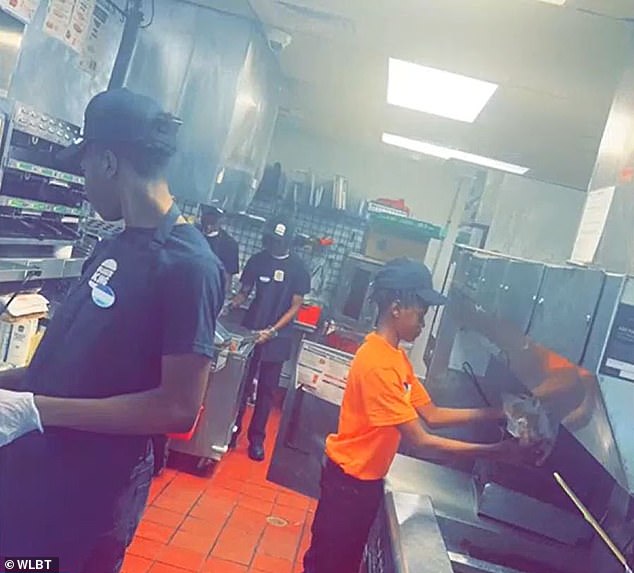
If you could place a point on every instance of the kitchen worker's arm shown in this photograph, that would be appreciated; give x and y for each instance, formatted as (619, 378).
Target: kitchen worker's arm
(284, 320)
(290, 314)
(386, 403)
(11, 379)
(428, 445)
(436, 417)
(172, 407)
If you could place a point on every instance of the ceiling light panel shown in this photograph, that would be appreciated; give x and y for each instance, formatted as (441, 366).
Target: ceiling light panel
(437, 92)
(448, 153)
(555, 2)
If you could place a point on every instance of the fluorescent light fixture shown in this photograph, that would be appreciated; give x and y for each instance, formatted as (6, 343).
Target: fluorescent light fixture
(555, 2)
(437, 92)
(447, 153)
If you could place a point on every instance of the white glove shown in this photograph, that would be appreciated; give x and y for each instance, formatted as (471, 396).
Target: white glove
(527, 420)
(18, 416)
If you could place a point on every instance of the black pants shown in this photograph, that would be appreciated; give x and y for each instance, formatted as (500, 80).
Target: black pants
(160, 445)
(96, 552)
(346, 511)
(108, 552)
(268, 375)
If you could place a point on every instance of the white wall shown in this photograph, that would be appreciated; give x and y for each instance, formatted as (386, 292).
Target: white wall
(535, 220)
(372, 171)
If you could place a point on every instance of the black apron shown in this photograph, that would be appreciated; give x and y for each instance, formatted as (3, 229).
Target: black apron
(63, 490)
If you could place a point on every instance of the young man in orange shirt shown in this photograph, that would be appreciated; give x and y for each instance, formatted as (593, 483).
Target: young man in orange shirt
(384, 401)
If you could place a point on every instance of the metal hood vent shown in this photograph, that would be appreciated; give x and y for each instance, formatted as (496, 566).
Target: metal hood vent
(297, 16)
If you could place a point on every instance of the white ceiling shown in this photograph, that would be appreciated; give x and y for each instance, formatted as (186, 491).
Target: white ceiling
(557, 68)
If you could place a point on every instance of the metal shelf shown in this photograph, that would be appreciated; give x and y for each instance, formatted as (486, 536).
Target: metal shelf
(40, 206)
(27, 167)
(35, 241)
(16, 270)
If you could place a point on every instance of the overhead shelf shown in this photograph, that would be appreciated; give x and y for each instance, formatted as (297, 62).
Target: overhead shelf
(27, 167)
(406, 227)
(17, 270)
(39, 206)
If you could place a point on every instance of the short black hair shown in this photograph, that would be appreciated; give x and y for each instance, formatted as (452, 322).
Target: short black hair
(384, 298)
(148, 161)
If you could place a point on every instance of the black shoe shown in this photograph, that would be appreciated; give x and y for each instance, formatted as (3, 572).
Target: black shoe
(256, 452)
(233, 442)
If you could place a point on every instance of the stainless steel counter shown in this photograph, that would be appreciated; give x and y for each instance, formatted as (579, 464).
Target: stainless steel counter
(432, 521)
(417, 540)
(16, 270)
(214, 431)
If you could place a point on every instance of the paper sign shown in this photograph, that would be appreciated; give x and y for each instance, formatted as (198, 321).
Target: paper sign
(593, 219)
(328, 392)
(323, 371)
(619, 352)
(95, 47)
(80, 22)
(69, 21)
(58, 18)
(23, 10)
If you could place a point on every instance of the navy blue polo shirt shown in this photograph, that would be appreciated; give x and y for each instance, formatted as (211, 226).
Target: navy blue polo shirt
(173, 310)
(276, 282)
(227, 250)
(164, 302)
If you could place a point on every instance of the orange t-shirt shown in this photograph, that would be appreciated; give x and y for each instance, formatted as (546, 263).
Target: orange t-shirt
(382, 392)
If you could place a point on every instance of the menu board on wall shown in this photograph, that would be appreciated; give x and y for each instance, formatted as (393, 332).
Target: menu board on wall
(23, 10)
(69, 21)
(104, 19)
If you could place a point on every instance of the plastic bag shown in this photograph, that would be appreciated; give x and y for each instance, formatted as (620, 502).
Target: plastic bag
(527, 420)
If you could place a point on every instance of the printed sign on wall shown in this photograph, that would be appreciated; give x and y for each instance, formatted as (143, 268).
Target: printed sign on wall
(23, 10)
(69, 21)
(102, 27)
(593, 220)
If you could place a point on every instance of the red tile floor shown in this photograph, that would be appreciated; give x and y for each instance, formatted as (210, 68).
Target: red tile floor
(233, 521)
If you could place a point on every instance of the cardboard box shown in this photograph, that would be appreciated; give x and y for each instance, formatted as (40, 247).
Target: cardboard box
(384, 246)
(18, 328)
(19, 348)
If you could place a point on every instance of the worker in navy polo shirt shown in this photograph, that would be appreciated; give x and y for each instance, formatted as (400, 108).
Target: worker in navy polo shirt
(127, 356)
(281, 281)
(222, 243)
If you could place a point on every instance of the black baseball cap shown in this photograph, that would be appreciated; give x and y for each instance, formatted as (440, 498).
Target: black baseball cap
(122, 116)
(406, 274)
(279, 227)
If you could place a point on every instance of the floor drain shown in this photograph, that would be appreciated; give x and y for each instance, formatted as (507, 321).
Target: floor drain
(276, 521)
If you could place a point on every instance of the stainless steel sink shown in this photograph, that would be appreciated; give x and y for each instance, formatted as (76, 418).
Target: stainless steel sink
(465, 564)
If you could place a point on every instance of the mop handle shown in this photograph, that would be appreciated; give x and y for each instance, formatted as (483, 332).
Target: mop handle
(592, 521)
